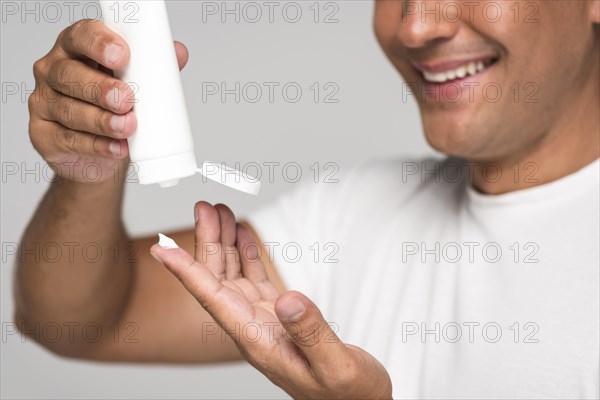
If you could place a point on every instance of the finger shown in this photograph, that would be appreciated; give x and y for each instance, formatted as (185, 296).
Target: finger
(51, 137)
(92, 39)
(74, 78)
(183, 54)
(306, 327)
(81, 116)
(208, 237)
(228, 233)
(225, 305)
(253, 268)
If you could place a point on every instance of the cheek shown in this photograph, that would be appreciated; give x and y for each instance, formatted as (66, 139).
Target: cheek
(541, 39)
(386, 21)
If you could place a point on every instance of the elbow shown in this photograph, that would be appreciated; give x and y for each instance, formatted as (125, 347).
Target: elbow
(57, 338)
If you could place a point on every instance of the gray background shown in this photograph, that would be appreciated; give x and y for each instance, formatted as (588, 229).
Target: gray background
(370, 119)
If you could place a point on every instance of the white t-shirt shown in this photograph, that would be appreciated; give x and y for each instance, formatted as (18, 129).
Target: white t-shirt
(458, 294)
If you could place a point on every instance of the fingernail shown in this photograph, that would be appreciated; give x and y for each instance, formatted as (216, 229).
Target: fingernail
(196, 214)
(115, 148)
(166, 242)
(113, 98)
(112, 53)
(117, 123)
(293, 310)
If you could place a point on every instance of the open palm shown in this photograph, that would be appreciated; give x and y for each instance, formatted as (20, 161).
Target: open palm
(228, 277)
(283, 335)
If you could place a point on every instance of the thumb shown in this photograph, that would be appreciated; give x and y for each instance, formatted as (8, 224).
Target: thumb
(305, 326)
(182, 54)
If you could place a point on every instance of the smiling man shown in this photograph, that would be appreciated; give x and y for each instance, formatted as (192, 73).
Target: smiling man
(471, 277)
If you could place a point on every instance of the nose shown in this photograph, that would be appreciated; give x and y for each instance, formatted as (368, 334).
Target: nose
(427, 21)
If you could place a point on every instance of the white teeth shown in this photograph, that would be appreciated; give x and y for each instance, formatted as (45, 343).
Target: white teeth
(468, 69)
(471, 68)
(435, 77)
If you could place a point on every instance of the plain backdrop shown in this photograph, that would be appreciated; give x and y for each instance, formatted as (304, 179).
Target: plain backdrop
(367, 114)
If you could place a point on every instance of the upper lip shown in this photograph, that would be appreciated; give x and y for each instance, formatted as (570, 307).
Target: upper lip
(446, 65)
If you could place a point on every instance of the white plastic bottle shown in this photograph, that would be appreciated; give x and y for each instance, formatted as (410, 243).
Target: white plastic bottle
(162, 148)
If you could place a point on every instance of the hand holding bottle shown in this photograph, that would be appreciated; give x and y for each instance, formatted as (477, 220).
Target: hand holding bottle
(80, 114)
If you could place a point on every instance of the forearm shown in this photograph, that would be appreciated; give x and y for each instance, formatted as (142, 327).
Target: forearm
(75, 258)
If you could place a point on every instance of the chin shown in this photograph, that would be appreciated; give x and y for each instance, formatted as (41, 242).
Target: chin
(448, 136)
(462, 135)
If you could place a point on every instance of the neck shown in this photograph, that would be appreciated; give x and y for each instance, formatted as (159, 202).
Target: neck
(571, 144)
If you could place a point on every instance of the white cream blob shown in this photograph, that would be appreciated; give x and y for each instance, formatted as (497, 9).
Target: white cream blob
(166, 242)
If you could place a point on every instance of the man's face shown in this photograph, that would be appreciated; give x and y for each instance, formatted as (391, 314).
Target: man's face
(522, 63)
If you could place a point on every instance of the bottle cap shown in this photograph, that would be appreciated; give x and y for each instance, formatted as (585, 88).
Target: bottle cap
(230, 177)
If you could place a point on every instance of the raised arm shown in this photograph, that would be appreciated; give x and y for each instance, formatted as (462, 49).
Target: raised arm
(110, 299)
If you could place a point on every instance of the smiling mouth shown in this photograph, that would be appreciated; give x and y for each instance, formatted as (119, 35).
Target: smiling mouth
(459, 72)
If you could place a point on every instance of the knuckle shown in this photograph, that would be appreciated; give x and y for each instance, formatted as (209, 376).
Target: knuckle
(91, 91)
(63, 71)
(33, 101)
(87, 32)
(318, 332)
(39, 69)
(76, 30)
(68, 110)
(307, 336)
(96, 145)
(69, 139)
(72, 111)
(101, 121)
(33, 129)
(71, 33)
(93, 41)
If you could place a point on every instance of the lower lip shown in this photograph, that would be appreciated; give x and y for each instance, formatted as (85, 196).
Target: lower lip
(448, 91)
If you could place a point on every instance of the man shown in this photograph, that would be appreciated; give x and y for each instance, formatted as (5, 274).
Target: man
(472, 277)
